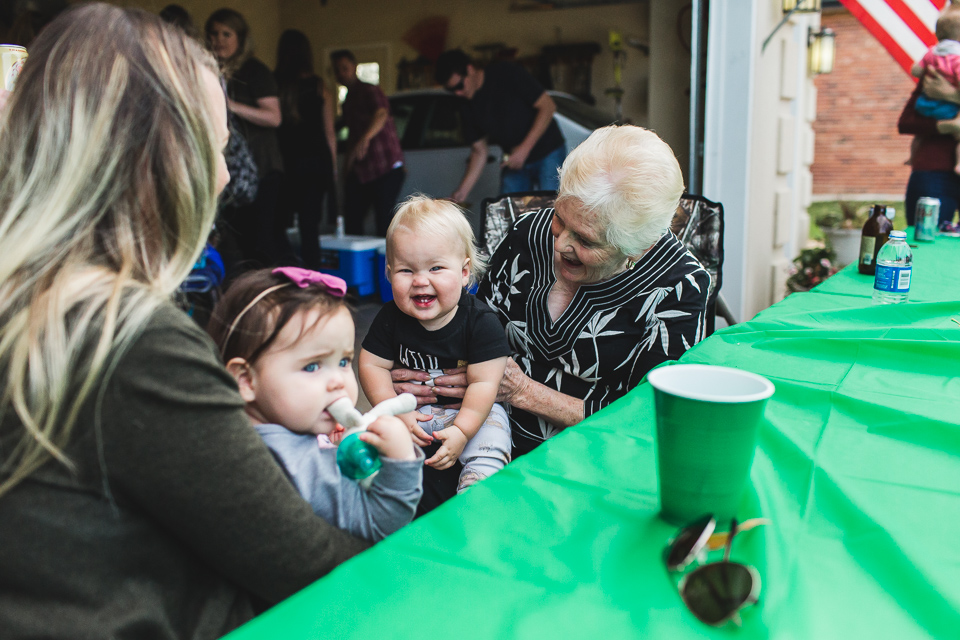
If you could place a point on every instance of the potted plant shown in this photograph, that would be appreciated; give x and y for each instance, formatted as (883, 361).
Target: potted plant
(842, 230)
(810, 268)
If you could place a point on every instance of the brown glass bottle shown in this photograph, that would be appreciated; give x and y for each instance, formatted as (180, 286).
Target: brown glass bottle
(875, 232)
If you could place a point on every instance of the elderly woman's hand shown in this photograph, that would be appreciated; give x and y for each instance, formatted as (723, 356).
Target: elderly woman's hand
(453, 384)
(939, 88)
(514, 383)
(401, 384)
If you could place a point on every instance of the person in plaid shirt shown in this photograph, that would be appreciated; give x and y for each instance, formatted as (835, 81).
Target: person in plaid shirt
(374, 170)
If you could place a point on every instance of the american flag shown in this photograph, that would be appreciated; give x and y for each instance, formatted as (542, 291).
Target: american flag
(905, 28)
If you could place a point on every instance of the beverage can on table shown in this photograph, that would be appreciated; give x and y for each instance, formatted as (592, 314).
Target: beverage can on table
(12, 57)
(928, 215)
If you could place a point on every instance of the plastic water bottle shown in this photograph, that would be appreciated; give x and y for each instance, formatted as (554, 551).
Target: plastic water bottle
(891, 284)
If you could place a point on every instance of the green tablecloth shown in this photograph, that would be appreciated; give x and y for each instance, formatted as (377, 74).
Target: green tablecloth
(858, 467)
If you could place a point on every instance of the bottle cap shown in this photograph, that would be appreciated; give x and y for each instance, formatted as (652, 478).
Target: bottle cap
(899, 234)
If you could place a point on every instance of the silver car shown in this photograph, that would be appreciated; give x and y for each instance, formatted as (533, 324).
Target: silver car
(429, 123)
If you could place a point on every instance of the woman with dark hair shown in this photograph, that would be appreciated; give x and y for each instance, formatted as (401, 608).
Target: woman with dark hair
(253, 100)
(307, 141)
(933, 153)
(178, 16)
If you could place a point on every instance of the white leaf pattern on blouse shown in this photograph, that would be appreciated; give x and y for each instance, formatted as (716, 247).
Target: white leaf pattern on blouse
(653, 332)
(550, 375)
(630, 356)
(650, 304)
(594, 330)
(589, 376)
(517, 336)
(516, 276)
(547, 429)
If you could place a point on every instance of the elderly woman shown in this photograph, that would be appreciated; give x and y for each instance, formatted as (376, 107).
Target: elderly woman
(593, 293)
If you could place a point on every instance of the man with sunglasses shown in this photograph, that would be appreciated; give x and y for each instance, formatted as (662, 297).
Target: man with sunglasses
(508, 107)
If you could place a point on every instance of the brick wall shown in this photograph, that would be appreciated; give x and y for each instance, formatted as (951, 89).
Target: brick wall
(856, 147)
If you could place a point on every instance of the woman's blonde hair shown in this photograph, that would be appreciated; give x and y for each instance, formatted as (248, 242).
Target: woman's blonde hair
(630, 179)
(437, 220)
(107, 195)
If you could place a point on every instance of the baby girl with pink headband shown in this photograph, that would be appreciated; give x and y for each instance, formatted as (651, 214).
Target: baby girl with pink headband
(287, 337)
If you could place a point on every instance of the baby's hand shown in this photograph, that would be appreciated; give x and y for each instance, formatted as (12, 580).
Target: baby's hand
(412, 420)
(390, 437)
(453, 443)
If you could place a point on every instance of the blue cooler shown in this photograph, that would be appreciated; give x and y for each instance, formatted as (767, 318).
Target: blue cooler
(353, 258)
(386, 291)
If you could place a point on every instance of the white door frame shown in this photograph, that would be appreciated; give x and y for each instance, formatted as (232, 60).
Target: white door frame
(731, 43)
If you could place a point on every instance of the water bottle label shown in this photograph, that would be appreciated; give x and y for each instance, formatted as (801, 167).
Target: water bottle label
(892, 279)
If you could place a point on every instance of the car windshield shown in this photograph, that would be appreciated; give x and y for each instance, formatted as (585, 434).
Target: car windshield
(581, 113)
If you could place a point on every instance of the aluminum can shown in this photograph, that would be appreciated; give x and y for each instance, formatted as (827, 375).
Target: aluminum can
(12, 57)
(928, 215)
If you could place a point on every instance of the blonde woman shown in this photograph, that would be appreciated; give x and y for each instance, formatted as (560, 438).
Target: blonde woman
(135, 499)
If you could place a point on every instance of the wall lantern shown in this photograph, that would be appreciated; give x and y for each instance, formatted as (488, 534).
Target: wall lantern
(801, 6)
(791, 7)
(820, 50)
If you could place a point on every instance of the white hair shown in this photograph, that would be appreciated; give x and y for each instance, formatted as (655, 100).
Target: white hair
(630, 179)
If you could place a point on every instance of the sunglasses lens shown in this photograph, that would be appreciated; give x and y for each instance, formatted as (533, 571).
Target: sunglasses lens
(688, 543)
(716, 591)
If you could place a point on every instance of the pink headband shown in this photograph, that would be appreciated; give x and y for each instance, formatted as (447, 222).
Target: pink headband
(303, 278)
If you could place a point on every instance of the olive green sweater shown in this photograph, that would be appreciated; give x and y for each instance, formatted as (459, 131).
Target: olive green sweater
(177, 518)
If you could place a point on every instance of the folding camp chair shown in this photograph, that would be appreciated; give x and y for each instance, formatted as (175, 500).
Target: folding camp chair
(200, 290)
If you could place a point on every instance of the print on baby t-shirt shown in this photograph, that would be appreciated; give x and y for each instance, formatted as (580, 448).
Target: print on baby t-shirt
(416, 360)
(474, 335)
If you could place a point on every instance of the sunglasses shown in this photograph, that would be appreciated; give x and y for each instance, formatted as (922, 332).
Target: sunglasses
(715, 592)
(456, 87)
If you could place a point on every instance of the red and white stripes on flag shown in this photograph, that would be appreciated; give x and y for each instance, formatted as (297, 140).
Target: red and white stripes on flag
(905, 28)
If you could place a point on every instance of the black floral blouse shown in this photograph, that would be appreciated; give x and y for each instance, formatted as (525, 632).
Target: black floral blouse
(612, 333)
